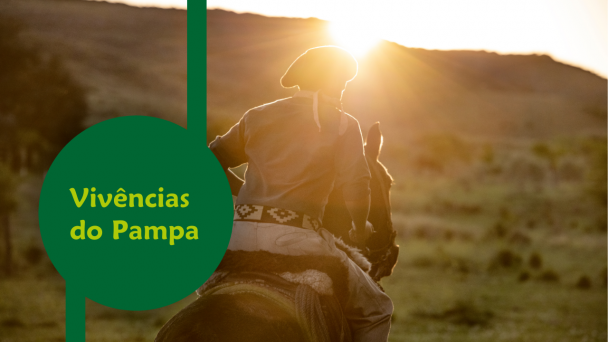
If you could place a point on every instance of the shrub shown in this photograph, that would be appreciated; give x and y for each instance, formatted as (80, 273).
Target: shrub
(422, 262)
(505, 259)
(524, 169)
(500, 230)
(159, 322)
(12, 322)
(520, 238)
(570, 170)
(462, 313)
(42, 106)
(33, 254)
(535, 261)
(597, 172)
(549, 276)
(583, 283)
(420, 233)
(523, 276)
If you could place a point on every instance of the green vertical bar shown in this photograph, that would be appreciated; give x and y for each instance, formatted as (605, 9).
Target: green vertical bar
(75, 307)
(197, 68)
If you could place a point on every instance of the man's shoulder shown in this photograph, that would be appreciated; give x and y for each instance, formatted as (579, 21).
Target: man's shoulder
(288, 101)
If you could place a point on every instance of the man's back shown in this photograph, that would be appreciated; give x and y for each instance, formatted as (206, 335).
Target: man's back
(292, 161)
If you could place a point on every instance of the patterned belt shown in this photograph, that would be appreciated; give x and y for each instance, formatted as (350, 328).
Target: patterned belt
(262, 213)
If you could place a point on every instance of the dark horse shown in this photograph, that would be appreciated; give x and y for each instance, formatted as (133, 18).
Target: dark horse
(380, 249)
(254, 306)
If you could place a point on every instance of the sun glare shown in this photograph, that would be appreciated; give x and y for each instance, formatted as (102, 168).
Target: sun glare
(354, 37)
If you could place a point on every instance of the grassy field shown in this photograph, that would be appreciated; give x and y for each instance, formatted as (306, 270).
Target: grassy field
(482, 259)
(132, 61)
(456, 282)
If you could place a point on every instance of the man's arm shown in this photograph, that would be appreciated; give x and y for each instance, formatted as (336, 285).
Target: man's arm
(229, 149)
(235, 182)
(353, 176)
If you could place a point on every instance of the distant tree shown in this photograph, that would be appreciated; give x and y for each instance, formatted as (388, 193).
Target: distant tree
(42, 107)
(8, 204)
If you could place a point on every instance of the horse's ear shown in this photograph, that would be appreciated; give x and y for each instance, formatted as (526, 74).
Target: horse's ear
(373, 142)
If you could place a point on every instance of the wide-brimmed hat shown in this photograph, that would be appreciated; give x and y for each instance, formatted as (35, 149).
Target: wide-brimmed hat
(320, 66)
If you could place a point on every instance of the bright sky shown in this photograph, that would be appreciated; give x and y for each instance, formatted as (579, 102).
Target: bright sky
(572, 31)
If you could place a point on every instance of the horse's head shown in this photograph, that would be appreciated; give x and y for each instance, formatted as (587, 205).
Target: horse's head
(380, 249)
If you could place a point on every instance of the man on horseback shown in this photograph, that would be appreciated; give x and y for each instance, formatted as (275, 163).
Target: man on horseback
(298, 149)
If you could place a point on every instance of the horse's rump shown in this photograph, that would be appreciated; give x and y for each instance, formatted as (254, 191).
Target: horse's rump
(258, 307)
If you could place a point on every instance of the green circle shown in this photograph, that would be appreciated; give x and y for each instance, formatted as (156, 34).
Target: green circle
(139, 155)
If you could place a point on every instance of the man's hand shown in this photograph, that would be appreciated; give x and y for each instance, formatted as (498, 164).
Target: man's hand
(360, 236)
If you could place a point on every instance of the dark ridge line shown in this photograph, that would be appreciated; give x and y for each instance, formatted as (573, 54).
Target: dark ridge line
(312, 19)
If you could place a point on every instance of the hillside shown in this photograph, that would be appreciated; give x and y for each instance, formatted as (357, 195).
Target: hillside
(133, 61)
(413, 91)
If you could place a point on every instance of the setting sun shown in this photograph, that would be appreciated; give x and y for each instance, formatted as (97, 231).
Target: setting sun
(354, 37)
